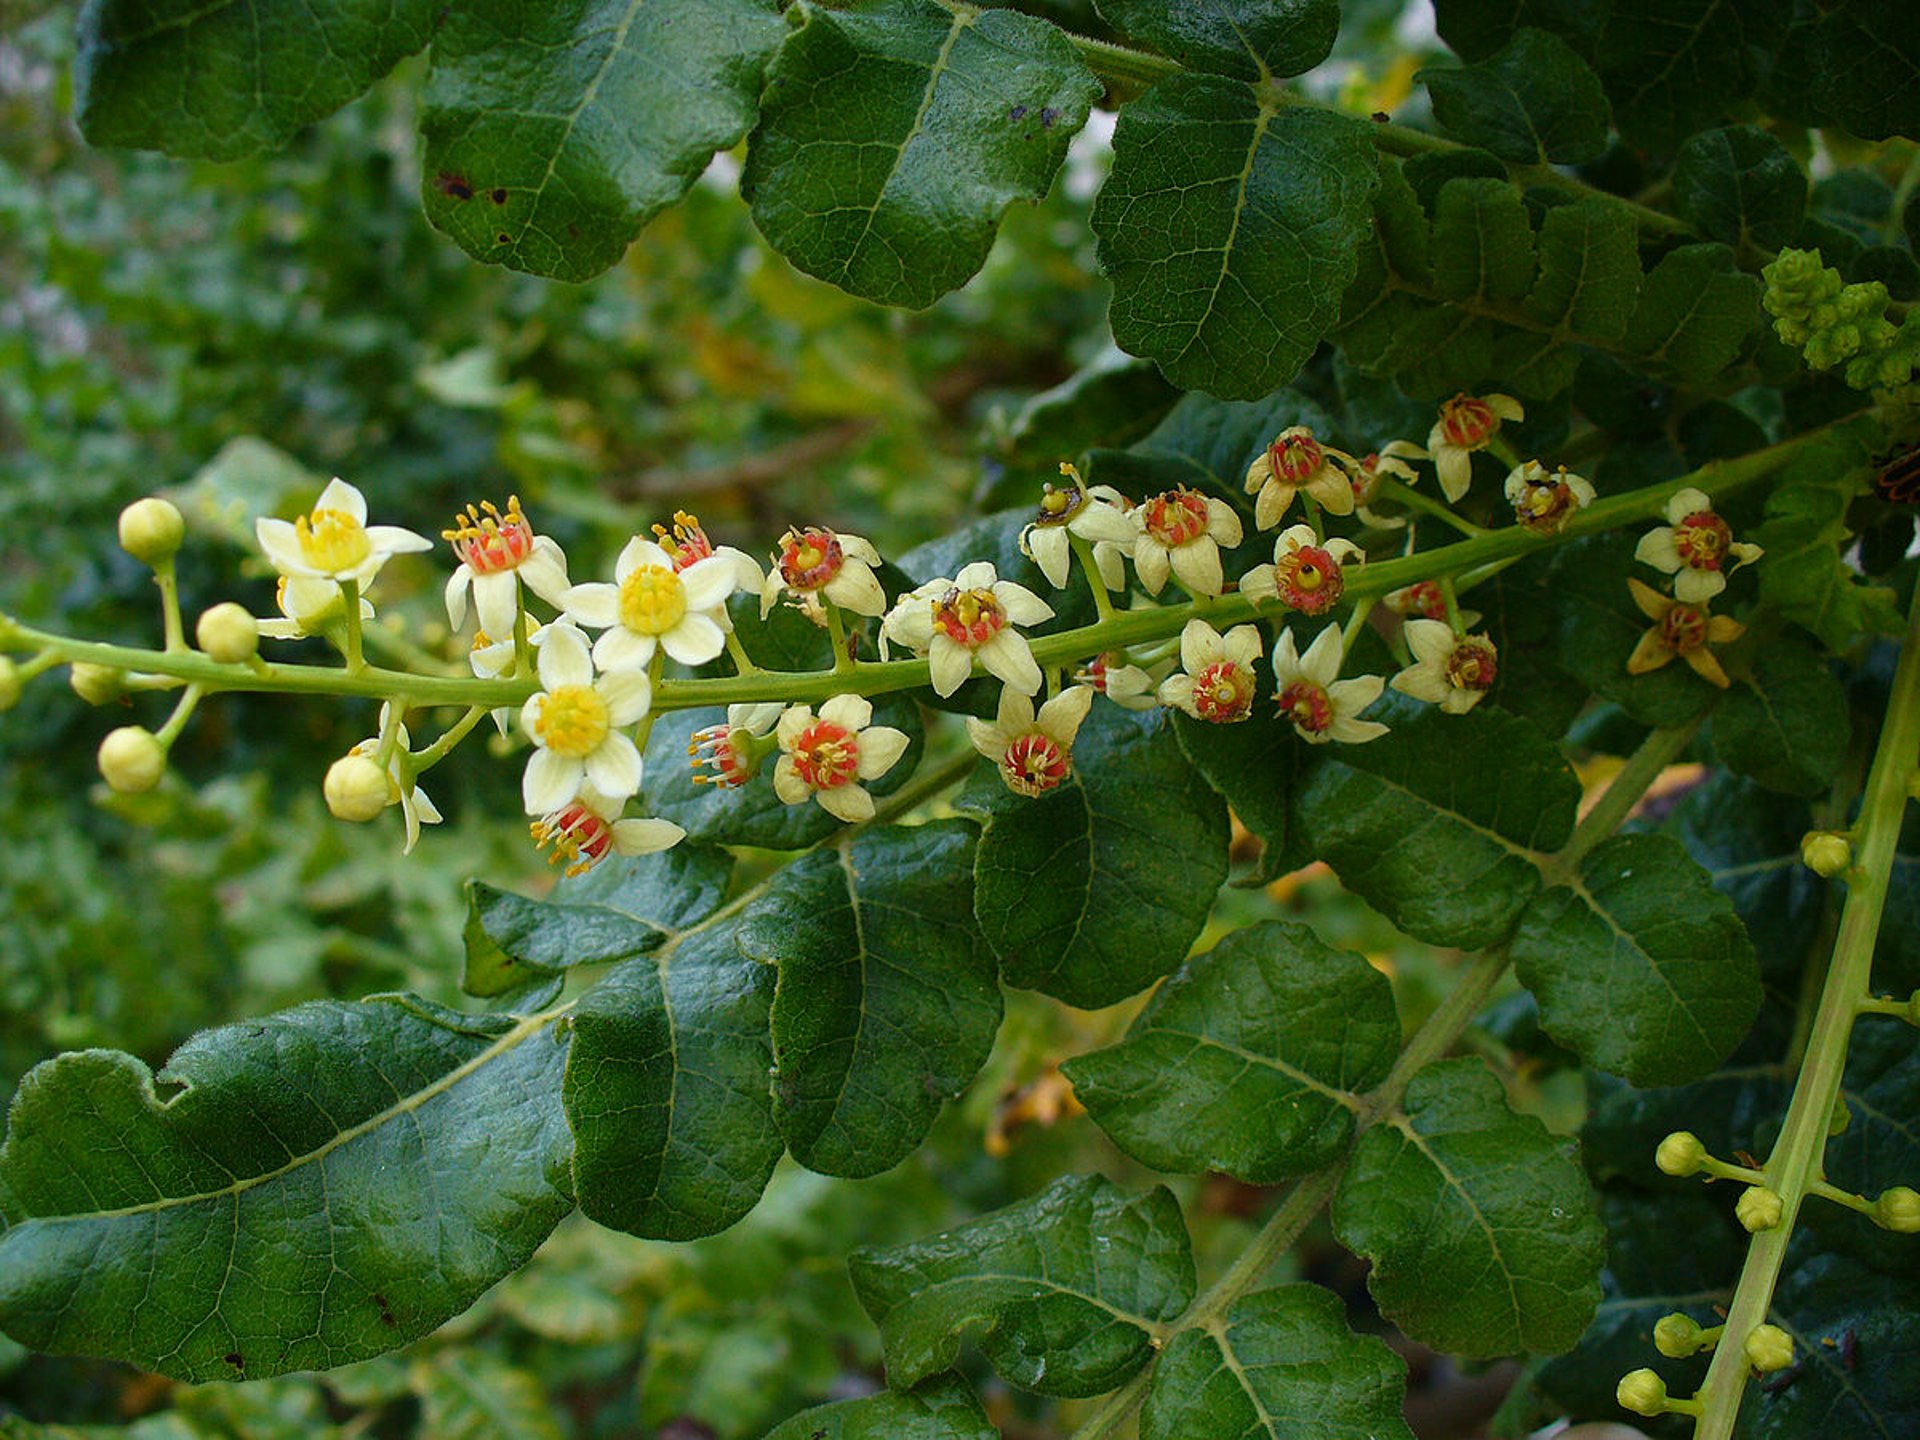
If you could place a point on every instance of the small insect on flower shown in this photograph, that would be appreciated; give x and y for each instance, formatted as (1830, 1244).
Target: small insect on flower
(498, 552)
(1034, 753)
(1074, 508)
(1322, 706)
(587, 829)
(1182, 531)
(1452, 671)
(1543, 503)
(653, 604)
(576, 722)
(731, 753)
(1296, 461)
(825, 757)
(1681, 629)
(816, 563)
(1307, 573)
(1218, 681)
(1696, 547)
(1467, 424)
(333, 541)
(973, 614)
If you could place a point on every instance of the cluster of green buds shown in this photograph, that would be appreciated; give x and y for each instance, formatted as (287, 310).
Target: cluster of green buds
(1833, 323)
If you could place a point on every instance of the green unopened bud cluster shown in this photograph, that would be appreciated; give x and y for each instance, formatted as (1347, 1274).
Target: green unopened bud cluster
(1833, 323)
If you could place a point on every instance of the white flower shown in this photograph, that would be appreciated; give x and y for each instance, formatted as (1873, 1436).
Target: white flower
(732, 751)
(1033, 753)
(1128, 686)
(576, 722)
(952, 621)
(652, 604)
(827, 757)
(308, 607)
(1322, 706)
(1451, 671)
(1467, 424)
(1217, 682)
(816, 563)
(1074, 509)
(584, 831)
(687, 545)
(1696, 547)
(1544, 503)
(335, 542)
(414, 805)
(1307, 573)
(1184, 530)
(1297, 461)
(1370, 469)
(497, 553)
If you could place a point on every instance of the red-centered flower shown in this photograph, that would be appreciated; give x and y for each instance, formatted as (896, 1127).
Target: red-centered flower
(1307, 573)
(1217, 682)
(1681, 629)
(1296, 460)
(974, 614)
(1451, 671)
(497, 552)
(1310, 694)
(1034, 753)
(583, 832)
(1181, 532)
(816, 564)
(1467, 423)
(1074, 508)
(825, 757)
(1696, 547)
(729, 755)
(1542, 502)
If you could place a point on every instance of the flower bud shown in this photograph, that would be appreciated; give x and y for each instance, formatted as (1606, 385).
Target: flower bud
(1769, 1348)
(356, 788)
(10, 684)
(1642, 1392)
(229, 634)
(132, 760)
(151, 530)
(1676, 1336)
(1898, 1209)
(96, 684)
(1825, 853)
(1680, 1153)
(1759, 1209)
(1841, 1118)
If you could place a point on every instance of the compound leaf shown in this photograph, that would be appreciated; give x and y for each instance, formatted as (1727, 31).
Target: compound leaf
(1067, 1288)
(1482, 1229)
(1534, 102)
(1785, 724)
(1589, 272)
(1675, 66)
(1695, 312)
(1741, 186)
(1865, 62)
(1247, 39)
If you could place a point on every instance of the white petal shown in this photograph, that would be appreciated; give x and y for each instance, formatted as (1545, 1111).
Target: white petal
(1505, 406)
(792, 724)
(977, 575)
(392, 540)
(1049, 548)
(1657, 548)
(1687, 502)
(596, 604)
(1102, 522)
(1198, 566)
(563, 658)
(787, 783)
(759, 717)
(628, 694)
(339, 495)
(911, 622)
(497, 598)
(1111, 562)
(614, 767)
(1008, 656)
(637, 552)
(856, 588)
(857, 546)
(1431, 641)
(850, 803)
(424, 807)
(1454, 466)
(849, 712)
(880, 748)
(949, 664)
(1694, 587)
(281, 544)
(1199, 646)
(1150, 564)
(1243, 645)
(1321, 663)
(695, 640)
(707, 583)
(1286, 660)
(1259, 583)
(545, 570)
(457, 596)
(1271, 503)
(770, 591)
(550, 782)
(1423, 682)
(623, 649)
(1294, 537)
(1177, 691)
(1223, 523)
(989, 740)
(1023, 607)
(1349, 731)
(644, 836)
(1015, 712)
(1350, 697)
(1458, 701)
(1334, 490)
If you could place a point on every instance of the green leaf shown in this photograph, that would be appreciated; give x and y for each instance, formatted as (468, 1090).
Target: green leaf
(1641, 966)
(1438, 823)
(892, 138)
(666, 1090)
(555, 132)
(1067, 1288)
(469, 1394)
(1865, 62)
(1249, 1060)
(1786, 725)
(1280, 1365)
(1094, 890)
(1224, 437)
(214, 79)
(1480, 1225)
(1803, 575)
(1476, 29)
(619, 909)
(938, 1410)
(888, 999)
(291, 1193)
(1740, 185)
(1482, 243)
(1230, 229)
(1589, 272)
(1676, 66)
(1256, 766)
(1247, 39)
(1534, 102)
(1695, 312)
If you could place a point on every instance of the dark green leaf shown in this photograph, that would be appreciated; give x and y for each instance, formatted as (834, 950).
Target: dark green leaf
(1802, 575)
(666, 1090)
(1224, 437)
(1230, 229)
(1480, 1225)
(291, 1193)
(1475, 29)
(1865, 62)
(1534, 102)
(1641, 967)
(939, 1410)
(891, 139)
(1094, 890)
(1249, 1060)
(216, 80)
(1749, 842)
(1482, 243)
(1281, 1365)
(1675, 66)
(1066, 1288)
(1438, 823)
(888, 1000)
(555, 132)
(1695, 312)
(1786, 725)
(1247, 39)
(1740, 185)
(1589, 272)
(1257, 766)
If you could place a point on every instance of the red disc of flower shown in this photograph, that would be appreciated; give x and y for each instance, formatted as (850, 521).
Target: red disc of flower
(575, 836)
(809, 558)
(1702, 539)
(969, 617)
(1034, 764)
(1309, 579)
(487, 541)
(1223, 692)
(1307, 704)
(826, 756)
(1296, 456)
(1473, 664)
(1468, 421)
(1423, 597)
(1179, 517)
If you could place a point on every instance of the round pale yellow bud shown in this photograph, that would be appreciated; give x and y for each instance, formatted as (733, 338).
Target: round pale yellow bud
(96, 684)
(229, 634)
(10, 684)
(1680, 1153)
(1759, 1209)
(1642, 1392)
(1769, 1348)
(1676, 1336)
(1825, 853)
(151, 530)
(356, 788)
(132, 760)
(1898, 1209)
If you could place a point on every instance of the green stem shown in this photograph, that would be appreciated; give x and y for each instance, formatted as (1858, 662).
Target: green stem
(426, 759)
(182, 712)
(1659, 750)
(1411, 499)
(1793, 1169)
(742, 662)
(522, 646)
(837, 633)
(169, 583)
(1083, 553)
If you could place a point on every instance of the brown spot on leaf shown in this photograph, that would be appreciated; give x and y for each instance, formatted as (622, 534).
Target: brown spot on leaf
(233, 1358)
(386, 1310)
(1019, 112)
(498, 195)
(452, 182)
(503, 238)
